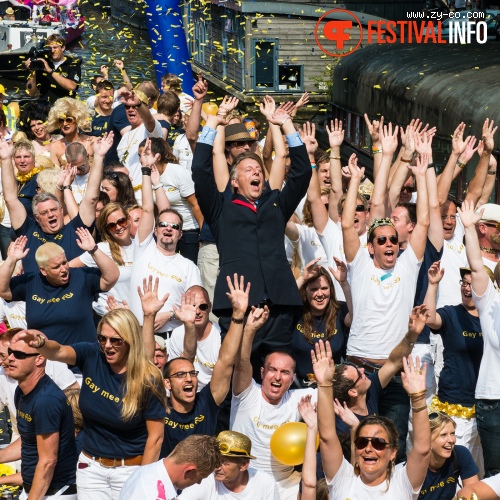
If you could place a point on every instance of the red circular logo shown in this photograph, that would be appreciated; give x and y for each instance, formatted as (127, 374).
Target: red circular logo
(337, 32)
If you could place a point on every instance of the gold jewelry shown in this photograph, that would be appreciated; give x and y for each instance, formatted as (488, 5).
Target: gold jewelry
(460, 164)
(23, 178)
(325, 385)
(420, 408)
(419, 393)
(129, 143)
(41, 341)
(453, 410)
(488, 250)
(334, 157)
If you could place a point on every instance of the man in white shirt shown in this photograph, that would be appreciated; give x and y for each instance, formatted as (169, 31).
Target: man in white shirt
(258, 410)
(207, 338)
(233, 479)
(489, 234)
(192, 460)
(77, 156)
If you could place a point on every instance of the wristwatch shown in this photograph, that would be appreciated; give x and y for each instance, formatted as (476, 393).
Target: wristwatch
(173, 316)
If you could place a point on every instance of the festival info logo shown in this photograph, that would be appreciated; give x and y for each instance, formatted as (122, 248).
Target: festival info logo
(339, 32)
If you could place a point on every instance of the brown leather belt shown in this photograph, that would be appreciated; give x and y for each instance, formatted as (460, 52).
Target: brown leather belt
(115, 462)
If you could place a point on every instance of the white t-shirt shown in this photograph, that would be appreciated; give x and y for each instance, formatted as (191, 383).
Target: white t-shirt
(346, 485)
(79, 187)
(253, 416)
(149, 482)
(207, 352)
(121, 291)
(178, 186)
(300, 208)
(488, 307)
(176, 274)
(260, 486)
(494, 483)
(182, 150)
(382, 301)
(14, 313)
(453, 259)
(130, 142)
(309, 246)
(490, 263)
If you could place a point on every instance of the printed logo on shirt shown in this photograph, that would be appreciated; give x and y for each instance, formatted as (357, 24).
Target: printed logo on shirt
(24, 416)
(441, 484)
(185, 427)
(163, 275)
(53, 300)
(315, 243)
(472, 335)
(267, 426)
(206, 363)
(104, 393)
(36, 234)
(454, 248)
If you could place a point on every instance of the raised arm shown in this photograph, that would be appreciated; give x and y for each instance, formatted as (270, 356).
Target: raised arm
(350, 235)
(413, 380)
(324, 372)
(64, 181)
(374, 129)
(221, 376)
(469, 219)
(125, 78)
(16, 251)
(200, 90)
(147, 221)
(162, 202)
(16, 209)
(140, 101)
(318, 210)
(435, 276)
(491, 178)
(187, 314)
(242, 376)
(394, 363)
(309, 466)
(340, 274)
(335, 138)
(308, 135)
(109, 270)
(87, 207)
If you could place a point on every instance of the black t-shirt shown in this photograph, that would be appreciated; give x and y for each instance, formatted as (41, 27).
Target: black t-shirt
(63, 313)
(66, 239)
(442, 484)
(372, 396)
(200, 420)
(100, 125)
(26, 193)
(45, 410)
(49, 89)
(117, 122)
(106, 434)
(463, 350)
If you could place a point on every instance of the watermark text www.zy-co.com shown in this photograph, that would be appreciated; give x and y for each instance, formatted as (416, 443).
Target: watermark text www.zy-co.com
(339, 32)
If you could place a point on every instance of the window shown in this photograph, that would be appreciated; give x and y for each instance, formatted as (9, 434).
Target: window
(265, 56)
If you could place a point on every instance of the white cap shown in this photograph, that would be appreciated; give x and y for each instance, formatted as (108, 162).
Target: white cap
(491, 212)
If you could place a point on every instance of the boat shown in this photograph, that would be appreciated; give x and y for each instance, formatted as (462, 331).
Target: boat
(29, 30)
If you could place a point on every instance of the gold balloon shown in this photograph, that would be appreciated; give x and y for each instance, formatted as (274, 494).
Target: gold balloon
(288, 443)
(210, 108)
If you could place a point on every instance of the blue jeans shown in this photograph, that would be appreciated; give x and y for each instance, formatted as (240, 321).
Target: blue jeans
(394, 403)
(488, 425)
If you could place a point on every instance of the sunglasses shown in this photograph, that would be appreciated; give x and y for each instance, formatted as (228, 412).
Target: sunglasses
(378, 444)
(360, 375)
(111, 175)
(21, 354)
(173, 225)
(193, 373)
(203, 307)
(68, 119)
(360, 208)
(126, 106)
(114, 341)
(381, 240)
(409, 189)
(122, 222)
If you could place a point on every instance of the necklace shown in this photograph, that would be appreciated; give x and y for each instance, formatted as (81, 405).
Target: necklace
(127, 147)
(489, 250)
(44, 143)
(81, 188)
(23, 178)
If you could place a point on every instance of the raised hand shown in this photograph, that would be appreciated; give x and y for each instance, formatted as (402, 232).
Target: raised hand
(469, 150)
(200, 88)
(340, 274)
(129, 98)
(268, 107)
(187, 311)
(435, 274)
(17, 249)
(148, 158)
(105, 71)
(119, 64)
(103, 144)
(467, 214)
(66, 176)
(257, 317)
(155, 175)
(150, 302)
(374, 128)
(335, 133)
(488, 132)
(423, 144)
(304, 99)
(421, 164)
(227, 105)
(458, 144)
(322, 361)
(355, 172)
(112, 303)
(279, 117)
(238, 294)
(418, 318)
(345, 413)
(6, 149)
(288, 107)
(413, 377)
(388, 139)
(84, 239)
(408, 139)
(307, 412)
(308, 136)
(311, 269)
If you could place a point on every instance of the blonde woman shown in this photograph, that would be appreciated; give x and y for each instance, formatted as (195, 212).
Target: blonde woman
(122, 402)
(71, 117)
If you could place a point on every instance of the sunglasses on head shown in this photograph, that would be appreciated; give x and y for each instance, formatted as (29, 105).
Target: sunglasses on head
(381, 240)
(114, 341)
(122, 222)
(68, 119)
(111, 175)
(378, 444)
(173, 225)
(436, 414)
(21, 354)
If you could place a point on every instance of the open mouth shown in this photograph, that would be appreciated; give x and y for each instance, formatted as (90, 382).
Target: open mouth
(370, 460)
(188, 390)
(255, 182)
(276, 384)
(356, 220)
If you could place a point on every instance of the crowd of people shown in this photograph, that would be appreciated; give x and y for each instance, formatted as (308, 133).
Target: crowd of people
(175, 288)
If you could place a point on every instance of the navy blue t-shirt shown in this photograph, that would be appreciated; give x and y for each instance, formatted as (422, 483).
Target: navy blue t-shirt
(26, 193)
(463, 350)
(46, 410)
(66, 239)
(117, 122)
(63, 313)
(442, 485)
(200, 420)
(106, 434)
(372, 396)
(100, 125)
(301, 348)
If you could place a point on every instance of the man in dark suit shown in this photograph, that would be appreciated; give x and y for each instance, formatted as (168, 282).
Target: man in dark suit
(249, 228)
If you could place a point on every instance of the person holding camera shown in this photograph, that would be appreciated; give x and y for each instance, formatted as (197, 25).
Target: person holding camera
(53, 74)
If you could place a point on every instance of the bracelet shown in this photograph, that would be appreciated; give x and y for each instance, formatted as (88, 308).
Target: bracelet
(419, 393)
(94, 250)
(335, 158)
(158, 186)
(41, 341)
(50, 72)
(406, 161)
(66, 187)
(325, 385)
(420, 408)
(411, 344)
(492, 172)
(237, 321)
(431, 165)
(146, 171)
(283, 122)
(376, 150)
(313, 165)
(460, 164)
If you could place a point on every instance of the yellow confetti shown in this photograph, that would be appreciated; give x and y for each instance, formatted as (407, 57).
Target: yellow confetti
(377, 87)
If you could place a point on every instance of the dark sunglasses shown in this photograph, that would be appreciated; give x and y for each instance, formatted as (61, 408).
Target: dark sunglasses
(21, 354)
(173, 225)
(360, 375)
(111, 175)
(193, 373)
(203, 307)
(435, 414)
(378, 444)
(381, 240)
(408, 188)
(126, 106)
(68, 119)
(122, 222)
(360, 208)
(114, 341)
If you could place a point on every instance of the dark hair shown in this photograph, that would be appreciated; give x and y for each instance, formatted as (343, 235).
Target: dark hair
(103, 198)
(453, 199)
(342, 384)
(283, 353)
(331, 311)
(103, 85)
(31, 112)
(319, 153)
(123, 184)
(167, 366)
(3, 118)
(110, 167)
(55, 39)
(168, 103)
(169, 211)
(411, 208)
(360, 197)
(161, 147)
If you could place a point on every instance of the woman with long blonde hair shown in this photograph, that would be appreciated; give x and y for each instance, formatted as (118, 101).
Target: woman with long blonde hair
(122, 402)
